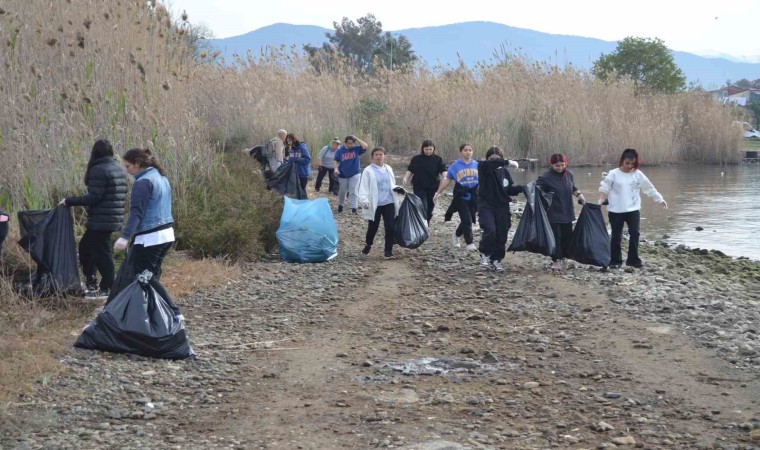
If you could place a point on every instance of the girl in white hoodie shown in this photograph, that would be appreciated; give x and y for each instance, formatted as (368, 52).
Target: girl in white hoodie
(622, 188)
(377, 199)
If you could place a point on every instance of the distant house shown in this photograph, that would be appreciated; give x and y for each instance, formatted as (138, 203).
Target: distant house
(736, 95)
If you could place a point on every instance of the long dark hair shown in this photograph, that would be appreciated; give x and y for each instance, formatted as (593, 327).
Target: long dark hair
(295, 142)
(143, 157)
(630, 153)
(495, 150)
(100, 149)
(427, 143)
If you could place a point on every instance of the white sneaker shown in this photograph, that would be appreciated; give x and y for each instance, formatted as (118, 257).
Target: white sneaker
(485, 260)
(497, 267)
(470, 247)
(455, 240)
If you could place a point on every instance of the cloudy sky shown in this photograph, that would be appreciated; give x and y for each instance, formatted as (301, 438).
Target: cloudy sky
(707, 27)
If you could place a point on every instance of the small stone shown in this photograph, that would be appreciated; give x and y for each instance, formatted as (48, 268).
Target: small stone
(755, 435)
(625, 440)
(604, 426)
(531, 385)
(613, 395)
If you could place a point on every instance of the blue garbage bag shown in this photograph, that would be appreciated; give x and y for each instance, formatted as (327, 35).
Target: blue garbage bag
(307, 231)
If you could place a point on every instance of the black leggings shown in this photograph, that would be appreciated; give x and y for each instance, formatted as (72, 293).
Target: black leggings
(150, 258)
(426, 195)
(465, 220)
(388, 213)
(321, 175)
(563, 233)
(96, 253)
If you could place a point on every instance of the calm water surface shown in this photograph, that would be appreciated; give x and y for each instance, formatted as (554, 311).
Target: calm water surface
(724, 201)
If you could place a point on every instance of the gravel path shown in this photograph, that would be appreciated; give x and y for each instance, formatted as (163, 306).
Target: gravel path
(430, 351)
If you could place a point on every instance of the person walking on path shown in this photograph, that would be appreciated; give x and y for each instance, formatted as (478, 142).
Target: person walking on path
(464, 172)
(425, 172)
(348, 170)
(296, 151)
(377, 199)
(559, 181)
(495, 186)
(4, 220)
(107, 188)
(622, 188)
(326, 161)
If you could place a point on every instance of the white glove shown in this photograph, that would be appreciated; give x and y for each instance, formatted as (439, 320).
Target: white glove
(120, 245)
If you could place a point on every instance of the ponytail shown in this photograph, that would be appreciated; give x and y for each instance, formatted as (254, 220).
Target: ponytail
(143, 157)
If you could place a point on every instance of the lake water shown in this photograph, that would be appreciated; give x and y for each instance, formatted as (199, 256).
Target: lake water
(725, 201)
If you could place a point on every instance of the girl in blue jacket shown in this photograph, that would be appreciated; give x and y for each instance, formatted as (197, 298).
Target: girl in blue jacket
(297, 152)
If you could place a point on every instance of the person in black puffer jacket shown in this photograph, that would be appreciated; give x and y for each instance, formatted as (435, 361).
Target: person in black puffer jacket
(106, 182)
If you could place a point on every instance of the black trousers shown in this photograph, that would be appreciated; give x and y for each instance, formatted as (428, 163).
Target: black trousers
(321, 175)
(426, 195)
(96, 253)
(388, 214)
(465, 220)
(633, 220)
(495, 222)
(3, 234)
(563, 233)
(150, 258)
(304, 181)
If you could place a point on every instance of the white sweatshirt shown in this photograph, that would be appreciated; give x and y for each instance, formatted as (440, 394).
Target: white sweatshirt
(623, 190)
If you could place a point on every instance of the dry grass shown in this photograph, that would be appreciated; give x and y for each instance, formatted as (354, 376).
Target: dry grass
(34, 333)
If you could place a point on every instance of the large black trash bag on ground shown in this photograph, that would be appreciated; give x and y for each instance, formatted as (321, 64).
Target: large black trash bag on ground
(410, 229)
(140, 320)
(534, 232)
(48, 236)
(590, 243)
(285, 181)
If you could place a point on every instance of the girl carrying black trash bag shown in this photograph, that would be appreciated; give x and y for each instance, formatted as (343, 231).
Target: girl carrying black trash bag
(494, 190)
(622, 187)
(106, 183)
(558, 181)
(425, 172)
(150, 224)
(376, 197)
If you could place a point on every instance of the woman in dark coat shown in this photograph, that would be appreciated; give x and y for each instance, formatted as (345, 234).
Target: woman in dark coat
(106, 183)
(558, 181)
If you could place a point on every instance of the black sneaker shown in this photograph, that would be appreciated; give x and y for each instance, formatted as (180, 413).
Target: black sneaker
(340, 208)
(353, 211)
(636, 265)
(366, 249)
(615, 266)
(389, 255)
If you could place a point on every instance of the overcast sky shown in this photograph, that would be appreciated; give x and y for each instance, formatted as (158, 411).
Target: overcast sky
(706, 27)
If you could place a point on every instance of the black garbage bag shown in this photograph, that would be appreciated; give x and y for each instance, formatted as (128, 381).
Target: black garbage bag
(334, 182)
(285, 181)
(590, 243)
(534, 232)
(48, 236)
(140, 320)
(125, 276)
(410, 229)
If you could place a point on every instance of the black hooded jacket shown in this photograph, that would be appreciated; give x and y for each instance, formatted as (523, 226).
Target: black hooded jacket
(106, 193)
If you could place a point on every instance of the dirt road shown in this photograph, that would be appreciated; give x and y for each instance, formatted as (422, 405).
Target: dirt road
(428, 351)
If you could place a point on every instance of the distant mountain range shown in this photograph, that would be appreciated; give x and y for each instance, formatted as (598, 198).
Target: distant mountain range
(479, 41)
